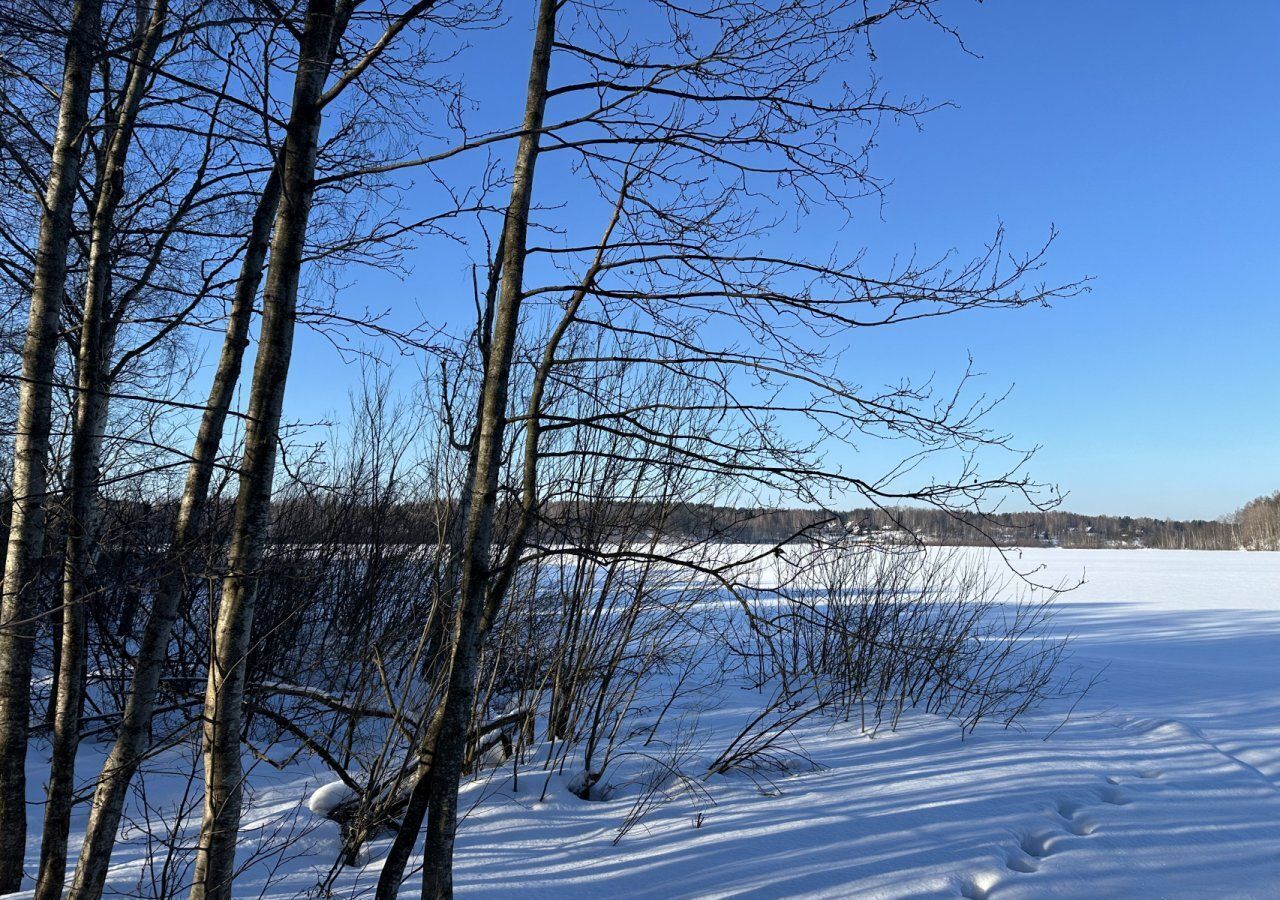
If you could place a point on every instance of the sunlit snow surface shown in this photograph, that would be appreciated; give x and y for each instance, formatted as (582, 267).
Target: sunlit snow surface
(1163, 782)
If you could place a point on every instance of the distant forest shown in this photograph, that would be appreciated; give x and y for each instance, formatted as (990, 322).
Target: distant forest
(1254, 527)
(338, 518)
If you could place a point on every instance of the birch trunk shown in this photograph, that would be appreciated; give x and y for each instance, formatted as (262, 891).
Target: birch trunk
(97, 340)
(224, 694)
(82, 522)
(131, 738)
(31, 444)
(455, 713)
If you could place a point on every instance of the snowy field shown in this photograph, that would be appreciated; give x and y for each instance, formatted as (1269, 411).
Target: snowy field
(1163, 782)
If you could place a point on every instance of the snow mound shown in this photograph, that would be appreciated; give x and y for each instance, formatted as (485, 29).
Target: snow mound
(329, 797)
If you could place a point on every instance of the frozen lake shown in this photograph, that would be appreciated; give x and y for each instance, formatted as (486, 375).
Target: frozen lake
(1163, 782)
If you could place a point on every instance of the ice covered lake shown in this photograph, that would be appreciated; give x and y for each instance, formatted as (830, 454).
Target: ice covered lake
(1163, 782)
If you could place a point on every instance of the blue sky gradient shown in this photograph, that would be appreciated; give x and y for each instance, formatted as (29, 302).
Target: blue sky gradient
(1148, 133)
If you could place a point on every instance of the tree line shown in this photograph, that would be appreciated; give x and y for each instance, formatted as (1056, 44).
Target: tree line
(417, 523)
(1253, 528)
(1258, 523)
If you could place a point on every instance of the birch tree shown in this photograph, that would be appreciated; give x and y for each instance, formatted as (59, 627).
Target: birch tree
(31, 446)
(96, 340)
(131, 741)
(323, 24)
(684, 128)
(264, 52)
(323, 28)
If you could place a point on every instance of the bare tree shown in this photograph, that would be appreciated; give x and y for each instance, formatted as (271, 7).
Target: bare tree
(449, 729)
(26, 532)
(651, 350)
(367, 54)
(1258, 523)
(675, 130)
(97, 337)
(131, 737)
(324, 25)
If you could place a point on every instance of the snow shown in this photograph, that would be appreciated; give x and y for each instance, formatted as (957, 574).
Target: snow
(1164, 781)
(329, 796)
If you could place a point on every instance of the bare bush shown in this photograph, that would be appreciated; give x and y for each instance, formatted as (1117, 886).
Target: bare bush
(870, 631)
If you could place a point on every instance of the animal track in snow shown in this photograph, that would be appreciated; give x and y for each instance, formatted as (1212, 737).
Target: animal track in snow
(1068, 808)
(1077, 822)
(1036, 844)
(1114, 796)
(978, 887)
(1070, 817)
(1082, 825)
(1017, 862)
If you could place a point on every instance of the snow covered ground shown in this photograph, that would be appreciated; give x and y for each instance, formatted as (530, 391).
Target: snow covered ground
(1164, 782)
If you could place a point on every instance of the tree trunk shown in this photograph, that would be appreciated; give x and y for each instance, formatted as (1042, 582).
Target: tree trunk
(450, 747)
(224, 694)
(31, 444)
(131, 738)
(97, 340)
(411, 824)
(82, 522)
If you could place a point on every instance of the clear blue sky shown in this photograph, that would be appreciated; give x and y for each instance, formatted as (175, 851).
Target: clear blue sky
(1149, 134)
